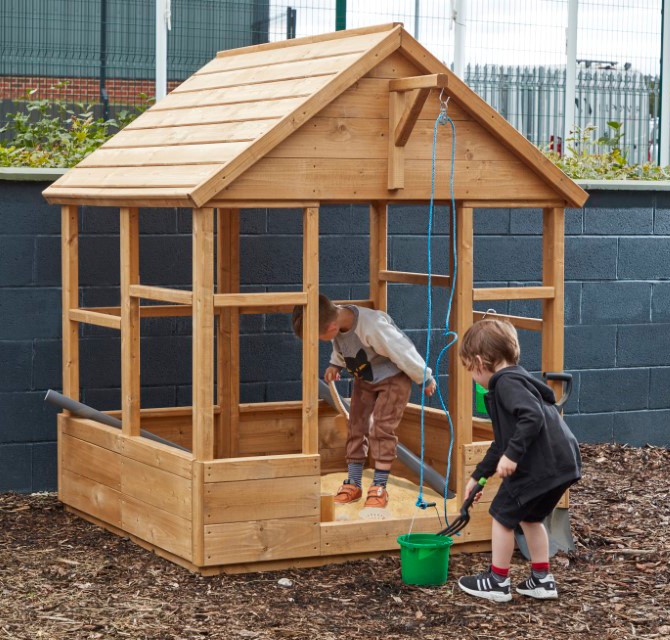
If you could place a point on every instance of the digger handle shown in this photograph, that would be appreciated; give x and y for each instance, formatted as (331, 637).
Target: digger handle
(564, 377)
(473, 494)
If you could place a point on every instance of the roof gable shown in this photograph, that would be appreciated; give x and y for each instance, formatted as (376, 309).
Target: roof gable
(188, 149)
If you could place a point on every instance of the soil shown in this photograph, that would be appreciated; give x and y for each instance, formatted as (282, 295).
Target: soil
(61, 577)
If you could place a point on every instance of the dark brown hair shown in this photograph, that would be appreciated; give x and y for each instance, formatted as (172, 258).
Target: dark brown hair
(327, 314)
(494, 341)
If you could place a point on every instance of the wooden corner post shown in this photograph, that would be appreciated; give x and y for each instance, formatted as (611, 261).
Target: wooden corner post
(130, 322)
(203, 334)
(553, 265)
(460, 380)
(310, 331)
(228, 331)
(70, 299)
(378, 254)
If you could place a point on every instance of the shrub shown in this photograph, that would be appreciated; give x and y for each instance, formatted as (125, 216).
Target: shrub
(48, 133)
(585, 162)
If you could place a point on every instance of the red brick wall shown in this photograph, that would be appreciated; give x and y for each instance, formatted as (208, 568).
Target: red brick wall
(78, 89)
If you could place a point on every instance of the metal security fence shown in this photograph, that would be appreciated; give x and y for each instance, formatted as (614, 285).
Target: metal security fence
(532, 99)
(512, 52)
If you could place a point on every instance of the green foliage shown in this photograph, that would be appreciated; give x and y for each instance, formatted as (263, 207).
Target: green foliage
(48, 133)
(584, 161)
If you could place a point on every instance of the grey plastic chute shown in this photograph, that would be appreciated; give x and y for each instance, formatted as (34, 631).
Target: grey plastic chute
(84, 411)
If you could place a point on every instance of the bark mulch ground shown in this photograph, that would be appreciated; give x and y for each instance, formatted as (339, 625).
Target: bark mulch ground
(61, 577)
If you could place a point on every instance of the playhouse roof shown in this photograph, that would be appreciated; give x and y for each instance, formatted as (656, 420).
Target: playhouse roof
(191, 146)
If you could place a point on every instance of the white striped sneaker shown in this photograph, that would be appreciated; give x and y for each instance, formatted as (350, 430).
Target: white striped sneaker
(485, 585)
(540, 588)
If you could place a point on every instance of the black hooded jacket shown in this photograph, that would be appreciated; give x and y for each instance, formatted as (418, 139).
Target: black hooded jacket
(530, 431)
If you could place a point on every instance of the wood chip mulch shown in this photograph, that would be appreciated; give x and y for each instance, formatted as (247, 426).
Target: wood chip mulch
(61, 577)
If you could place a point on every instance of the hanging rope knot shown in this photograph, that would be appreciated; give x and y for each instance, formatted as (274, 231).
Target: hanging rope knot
(443, 118)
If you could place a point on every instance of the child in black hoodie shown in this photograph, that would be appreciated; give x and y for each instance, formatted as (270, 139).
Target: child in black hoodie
(533, 452)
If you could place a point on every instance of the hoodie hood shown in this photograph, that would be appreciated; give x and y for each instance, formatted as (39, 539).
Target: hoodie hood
(519, 372)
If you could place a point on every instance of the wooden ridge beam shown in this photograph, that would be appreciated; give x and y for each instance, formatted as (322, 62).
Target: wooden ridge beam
(88, 316)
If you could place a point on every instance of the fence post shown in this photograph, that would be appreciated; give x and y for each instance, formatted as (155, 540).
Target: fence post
(570, 71)
(340, 15)
(162, 22)
(664, 141)
(459, 16)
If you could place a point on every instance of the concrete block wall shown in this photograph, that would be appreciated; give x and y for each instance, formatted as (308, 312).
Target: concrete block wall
(617, 308)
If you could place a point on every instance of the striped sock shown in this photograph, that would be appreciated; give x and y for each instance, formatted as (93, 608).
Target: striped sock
(381, 478)
(356, 474)
(539, 569)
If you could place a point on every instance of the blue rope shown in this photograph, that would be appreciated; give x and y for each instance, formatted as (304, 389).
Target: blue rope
(452, 336)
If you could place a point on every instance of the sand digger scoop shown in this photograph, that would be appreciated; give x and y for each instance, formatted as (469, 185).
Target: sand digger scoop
(462, 520)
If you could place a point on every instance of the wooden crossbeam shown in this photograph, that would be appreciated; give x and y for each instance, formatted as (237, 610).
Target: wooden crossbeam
(513, 293)
(88, 316)
(250, 300)
(161, 294)
(408, 277)
(430, 81)
(531, 324)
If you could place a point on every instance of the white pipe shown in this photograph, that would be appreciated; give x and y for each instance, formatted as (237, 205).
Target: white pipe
(459, 16)
(664, 142)
(162, 26)
(570, 72)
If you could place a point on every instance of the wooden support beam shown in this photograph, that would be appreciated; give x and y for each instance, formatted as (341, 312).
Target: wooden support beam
(230, 205)
(288, 308)
(513, 293)
(553, 261)
(408, 277)
(514, 204)
(378, 254)
(409, 117)
(228, 343)
(70, 299)
(396, 154)
(88, 316)
(431, 81)
(130, 322)
(460, 379)
(259, 300)
(161, 294)
(531, 324)
(310, 332)
(203, 334)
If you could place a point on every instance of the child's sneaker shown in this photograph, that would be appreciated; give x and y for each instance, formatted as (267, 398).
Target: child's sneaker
(348, 493)
(485, 585)
(540, 588)
(377, 498)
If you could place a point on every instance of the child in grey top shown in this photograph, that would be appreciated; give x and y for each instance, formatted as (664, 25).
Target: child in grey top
(383, 362)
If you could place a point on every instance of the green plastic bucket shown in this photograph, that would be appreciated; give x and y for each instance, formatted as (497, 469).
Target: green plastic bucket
(480, 405)
(424, 558)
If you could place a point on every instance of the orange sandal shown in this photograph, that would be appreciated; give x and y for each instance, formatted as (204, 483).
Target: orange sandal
(377, 498)
(347, 494)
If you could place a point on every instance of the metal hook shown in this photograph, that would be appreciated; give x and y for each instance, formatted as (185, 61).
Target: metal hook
(493, 311)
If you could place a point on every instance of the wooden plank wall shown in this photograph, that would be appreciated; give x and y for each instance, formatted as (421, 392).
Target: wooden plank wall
(141, 487)
(343, 152)
(261, 508)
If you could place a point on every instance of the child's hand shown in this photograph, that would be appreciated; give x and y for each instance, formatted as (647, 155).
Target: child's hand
(332, 374)
(430, 388)
(505, 467)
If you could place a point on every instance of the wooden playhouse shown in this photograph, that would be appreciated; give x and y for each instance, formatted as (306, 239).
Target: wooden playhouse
(342, 117)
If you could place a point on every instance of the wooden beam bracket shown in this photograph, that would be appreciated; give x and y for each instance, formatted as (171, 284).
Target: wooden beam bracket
(406, 99)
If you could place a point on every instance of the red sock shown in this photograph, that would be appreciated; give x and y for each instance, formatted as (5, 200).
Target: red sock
(499, 571)
(539, 567)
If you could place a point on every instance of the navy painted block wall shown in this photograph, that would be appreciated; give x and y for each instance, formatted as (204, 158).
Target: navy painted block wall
(617, 338)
